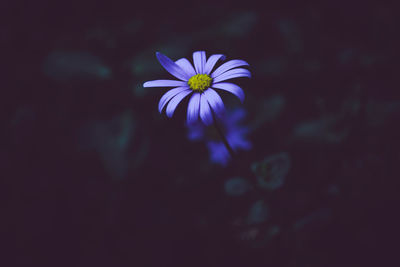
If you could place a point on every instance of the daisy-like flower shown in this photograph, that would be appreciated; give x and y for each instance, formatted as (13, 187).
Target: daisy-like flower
(200, 82)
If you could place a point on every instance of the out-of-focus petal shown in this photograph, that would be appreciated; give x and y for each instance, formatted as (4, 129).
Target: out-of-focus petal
(215, 101)
(170, 94)
(196, 131)
(227, 66)
(230, 74)
(172, 67)
(199, 60)
(237, 115)
(218, 153)
(186, 66)
(173, 103)
(237, 140)
(211, 61)
(232, 88)
(244, 144)
(193, 108)
(205, 111)
(164, 83)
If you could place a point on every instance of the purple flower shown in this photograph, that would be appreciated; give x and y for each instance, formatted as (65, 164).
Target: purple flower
(200, 82)
(235, 135)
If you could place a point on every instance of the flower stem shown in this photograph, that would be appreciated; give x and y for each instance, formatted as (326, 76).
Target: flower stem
(224, 140)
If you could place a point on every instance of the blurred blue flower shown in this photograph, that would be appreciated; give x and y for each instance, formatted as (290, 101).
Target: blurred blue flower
(235, 135)
(200, 82)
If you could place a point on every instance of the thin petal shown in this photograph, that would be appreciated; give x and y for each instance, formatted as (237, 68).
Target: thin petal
(215, 101)
(205, 111)
(232, 88)
(164, 83)
(173, 103)
(172, 67)
(193, 108)
(199, 60)
(211, 61)
(227, 66)
(168, 95)
(230, 74)
(186, 66)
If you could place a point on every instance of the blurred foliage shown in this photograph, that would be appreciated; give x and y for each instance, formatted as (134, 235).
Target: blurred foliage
(271, 172)
(115, 141)
(64, 66)
(237, 186)
(258, 213)
(95, 176)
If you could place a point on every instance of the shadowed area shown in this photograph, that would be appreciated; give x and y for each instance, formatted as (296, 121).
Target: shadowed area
(93, 174)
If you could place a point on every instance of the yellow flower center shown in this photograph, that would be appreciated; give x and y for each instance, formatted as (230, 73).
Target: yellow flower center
(200, 82)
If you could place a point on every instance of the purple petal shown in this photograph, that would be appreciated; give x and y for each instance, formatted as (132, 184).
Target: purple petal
(195, 131)
(186, 66)
(205, 111)
(193, 108)
(172, 67)
(164, 83)
(227, 66)
(211, 62)
(215, 101)
(168, 95)
(230, 74)
(218, 153)
(173, 103)
(238, 141)
(232, 88)
(199, 60)
(243, 144)
(237, 115)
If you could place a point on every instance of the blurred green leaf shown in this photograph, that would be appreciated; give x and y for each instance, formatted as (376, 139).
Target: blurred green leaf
(240, 24)
(272, 171)
(75, 65)
(258, 213)
(114, 140)
(237, 186)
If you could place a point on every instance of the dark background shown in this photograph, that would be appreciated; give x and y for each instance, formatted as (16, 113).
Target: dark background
(93, 175)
